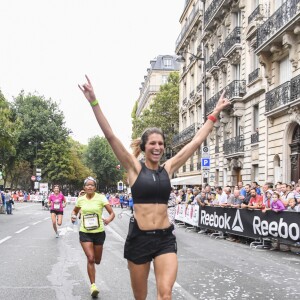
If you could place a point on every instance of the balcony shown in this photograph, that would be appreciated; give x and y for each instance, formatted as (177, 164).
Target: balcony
(234, 145)
(184, 102)
(257, 12)
(188, 24)
(295, 88)
(215, 57)
(235, 89)
(253, 76)
(232, 39)
(254, 138)
(286, 14)
(192, 94)
(278, 96)
(212, 11)
(185, 135)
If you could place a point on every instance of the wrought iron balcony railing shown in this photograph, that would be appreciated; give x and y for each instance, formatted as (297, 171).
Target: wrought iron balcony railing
(280, 18)
(254, 138)
(257, 11)
(184, 102)
(233, 38)
(199, 87)
(188, 23)
(234, 145)
(236, 88)
(278, 96)
(211, 10)
(185, 135)
(192, 94)
(295, 88)
(253, 75)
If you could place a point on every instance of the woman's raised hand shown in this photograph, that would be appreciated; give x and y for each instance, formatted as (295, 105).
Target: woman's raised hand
(88, 90)
(222, 103)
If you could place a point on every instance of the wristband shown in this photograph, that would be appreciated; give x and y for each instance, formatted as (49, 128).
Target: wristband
(212, 118)
(94, 103)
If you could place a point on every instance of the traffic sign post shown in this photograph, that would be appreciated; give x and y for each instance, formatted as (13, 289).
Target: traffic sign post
(33, 178)
(38, 172)
(205, 151)
(38, 178)
(205, 174)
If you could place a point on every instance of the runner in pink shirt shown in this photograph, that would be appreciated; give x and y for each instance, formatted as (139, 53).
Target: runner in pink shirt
(57, 202)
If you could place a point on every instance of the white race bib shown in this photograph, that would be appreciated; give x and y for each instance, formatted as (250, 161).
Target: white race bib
(56, 205)
(91, 221)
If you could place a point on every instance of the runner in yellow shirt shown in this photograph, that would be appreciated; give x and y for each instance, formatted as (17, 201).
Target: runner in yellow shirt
(91, 233)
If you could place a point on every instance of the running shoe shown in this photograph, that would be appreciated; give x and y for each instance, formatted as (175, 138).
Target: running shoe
(57, 234)
(94, 291)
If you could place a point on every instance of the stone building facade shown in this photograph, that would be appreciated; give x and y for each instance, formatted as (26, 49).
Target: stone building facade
(250, 49)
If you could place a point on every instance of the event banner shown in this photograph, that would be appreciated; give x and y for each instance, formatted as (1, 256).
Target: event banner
(284, 226)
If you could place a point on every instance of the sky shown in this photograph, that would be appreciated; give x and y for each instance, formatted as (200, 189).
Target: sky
(47, 47)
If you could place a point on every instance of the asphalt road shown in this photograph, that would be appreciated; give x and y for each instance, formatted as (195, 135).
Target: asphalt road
(36, 265)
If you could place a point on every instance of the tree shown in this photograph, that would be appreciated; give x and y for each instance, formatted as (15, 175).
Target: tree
(163, 111)
(100, 158)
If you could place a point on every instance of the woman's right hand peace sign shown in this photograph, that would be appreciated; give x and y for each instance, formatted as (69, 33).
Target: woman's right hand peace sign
(88, 90)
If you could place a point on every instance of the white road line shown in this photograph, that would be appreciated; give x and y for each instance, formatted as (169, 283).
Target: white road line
(47, 218)
(5, 239)
(22, 229)
(36, 222)
(179, 289)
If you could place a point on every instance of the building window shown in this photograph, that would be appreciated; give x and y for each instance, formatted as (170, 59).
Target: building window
(255, 173)
(167, 62)
(192, 118)
(255, 118)
(199, 113)
(164, 79)
(237, 72)
(237, 127)
(285, 70)
(237, 19)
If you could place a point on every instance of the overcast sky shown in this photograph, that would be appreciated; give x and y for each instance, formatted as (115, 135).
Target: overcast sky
(47, 46)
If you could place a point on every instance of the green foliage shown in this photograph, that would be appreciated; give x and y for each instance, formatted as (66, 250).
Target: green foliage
(100, 158)
(163, 111)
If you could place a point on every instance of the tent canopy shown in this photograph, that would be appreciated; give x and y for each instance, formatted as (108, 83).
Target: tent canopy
(188, 180)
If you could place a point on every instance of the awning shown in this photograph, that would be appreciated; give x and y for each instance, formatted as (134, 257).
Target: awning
(188, 180)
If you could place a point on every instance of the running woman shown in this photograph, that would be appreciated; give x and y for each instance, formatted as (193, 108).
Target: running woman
(57, 202)
(91, 232)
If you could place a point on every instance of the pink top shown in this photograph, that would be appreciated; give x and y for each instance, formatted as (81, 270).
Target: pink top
(57, 201)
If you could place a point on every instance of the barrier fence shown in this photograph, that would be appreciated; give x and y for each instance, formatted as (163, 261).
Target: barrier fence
(283, 226)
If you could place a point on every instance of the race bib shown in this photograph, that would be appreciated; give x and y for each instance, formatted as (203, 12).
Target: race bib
(91, 221)
(56, 205)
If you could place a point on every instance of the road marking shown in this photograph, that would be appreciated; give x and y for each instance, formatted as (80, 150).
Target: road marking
(47, 218)
(5, 239)
(22, 229)
(179, 289)
(36, 222)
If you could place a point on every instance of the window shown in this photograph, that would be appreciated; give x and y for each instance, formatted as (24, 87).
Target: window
(255, 173)
(285, 70)
(237, 127)
(237, 72)
(237, 19)
(164, 79)
(278, 3)
(254, 61)
(167, 62)
(255, 118)
(216, 85)
(199, 113)
(192, 117)
(184, 121)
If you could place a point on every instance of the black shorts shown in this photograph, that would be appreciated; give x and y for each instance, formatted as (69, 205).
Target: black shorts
(142, 246)
(57, 212)
(97, 238)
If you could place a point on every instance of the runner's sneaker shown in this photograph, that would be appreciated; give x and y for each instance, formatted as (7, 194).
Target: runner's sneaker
(94, 291)
(57, 234)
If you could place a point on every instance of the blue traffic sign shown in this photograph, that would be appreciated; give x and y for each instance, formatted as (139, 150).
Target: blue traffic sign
(205, 163)
(38, 178)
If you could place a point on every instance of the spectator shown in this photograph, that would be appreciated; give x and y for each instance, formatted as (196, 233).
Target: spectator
(229, 197)
(201, 199)
(256, 201)
(247, 197)
(196, 192)
(276, 204)
(268, 199)
(256, 187)
(207, 191)
(292, 205)
(285, 194)
(236, 199)
(189, 196)
(181, 197)
(278, 187)
(220, 196)
(130, 202)
(242, 189)
(213, 201)
(297, 193)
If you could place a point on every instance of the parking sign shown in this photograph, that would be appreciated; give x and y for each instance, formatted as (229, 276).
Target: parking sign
(205, 163)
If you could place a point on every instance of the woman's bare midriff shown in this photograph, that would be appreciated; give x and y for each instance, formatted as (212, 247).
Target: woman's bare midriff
(151, 216)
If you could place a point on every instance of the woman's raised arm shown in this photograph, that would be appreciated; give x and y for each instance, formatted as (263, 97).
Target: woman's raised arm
(128, 161)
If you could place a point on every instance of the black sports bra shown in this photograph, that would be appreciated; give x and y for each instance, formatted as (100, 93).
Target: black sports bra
(151, 186)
